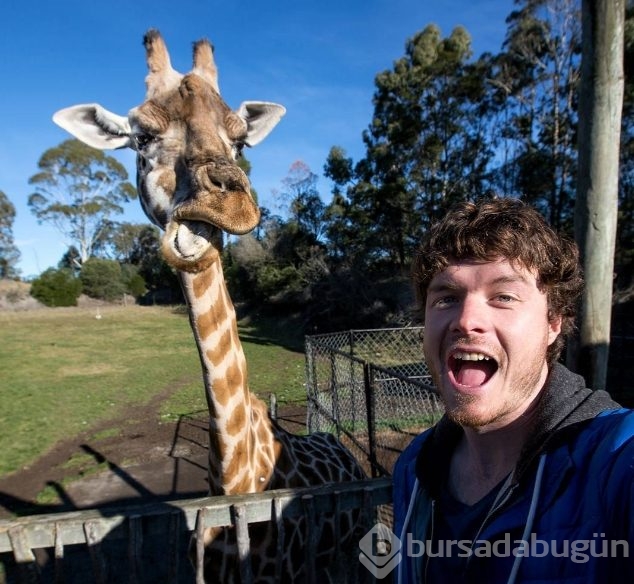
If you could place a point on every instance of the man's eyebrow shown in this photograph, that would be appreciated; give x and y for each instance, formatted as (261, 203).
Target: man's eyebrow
(511, 279)
(447, 285)
(443, 286)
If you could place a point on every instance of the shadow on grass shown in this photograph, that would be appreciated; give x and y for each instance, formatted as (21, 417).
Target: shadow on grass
(187, 448)
(150, 542)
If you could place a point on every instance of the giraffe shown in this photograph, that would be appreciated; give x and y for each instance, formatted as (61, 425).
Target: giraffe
(187, 141)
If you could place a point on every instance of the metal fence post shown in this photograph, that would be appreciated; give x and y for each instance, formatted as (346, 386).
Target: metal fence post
(368, 381)
(311, 384)
(353, 391)
(334, 388)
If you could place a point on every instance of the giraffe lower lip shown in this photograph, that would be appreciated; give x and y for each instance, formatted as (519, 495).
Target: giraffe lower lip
(191, 239)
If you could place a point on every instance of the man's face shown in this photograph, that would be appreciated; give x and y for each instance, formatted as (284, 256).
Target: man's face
(486, 336)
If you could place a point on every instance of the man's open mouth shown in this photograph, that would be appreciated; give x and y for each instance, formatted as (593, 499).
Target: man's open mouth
(472, 369)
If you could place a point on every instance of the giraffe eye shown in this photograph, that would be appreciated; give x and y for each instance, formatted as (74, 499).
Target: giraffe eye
(238, 147)
(142, 140)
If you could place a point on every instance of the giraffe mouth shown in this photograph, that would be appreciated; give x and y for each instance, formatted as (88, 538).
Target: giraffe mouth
(191, 245)
(192, 238)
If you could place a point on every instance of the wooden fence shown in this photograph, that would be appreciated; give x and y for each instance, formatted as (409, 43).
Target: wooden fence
(148, 543)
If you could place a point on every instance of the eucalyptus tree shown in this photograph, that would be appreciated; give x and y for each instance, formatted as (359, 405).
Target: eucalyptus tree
(536, 79)
(77, 190)
(9, 253)
(120, 241)
(426, 147)
(305, 206)
(348, 226)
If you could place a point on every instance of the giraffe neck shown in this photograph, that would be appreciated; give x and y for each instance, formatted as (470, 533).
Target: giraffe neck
(242, 449)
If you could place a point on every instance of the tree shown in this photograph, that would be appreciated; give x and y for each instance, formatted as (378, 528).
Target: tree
(77, 190)
(121, 241)
(600, 103)
(102, 279)
(624, 254)
(346, 224)
(306, 208)
(71, 260)
(426, 147)
(161, 281)
(56, 287)
(9, 253)
(535, 80)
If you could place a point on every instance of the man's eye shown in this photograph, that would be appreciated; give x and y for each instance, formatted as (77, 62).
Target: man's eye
(445, 301)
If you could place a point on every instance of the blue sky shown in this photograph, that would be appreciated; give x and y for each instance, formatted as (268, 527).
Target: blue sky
(317, 58)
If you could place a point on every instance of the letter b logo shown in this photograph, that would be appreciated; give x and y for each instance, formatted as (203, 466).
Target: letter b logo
(380, 550)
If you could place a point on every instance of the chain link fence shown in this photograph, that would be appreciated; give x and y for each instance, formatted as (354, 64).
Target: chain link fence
(372, 389)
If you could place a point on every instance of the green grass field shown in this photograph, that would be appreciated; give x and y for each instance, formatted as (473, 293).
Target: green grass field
(62, 370)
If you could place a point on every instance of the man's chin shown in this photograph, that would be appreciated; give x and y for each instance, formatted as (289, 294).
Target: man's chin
(468, 414)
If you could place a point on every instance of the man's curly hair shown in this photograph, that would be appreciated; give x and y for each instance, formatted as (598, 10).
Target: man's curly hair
(505, 229)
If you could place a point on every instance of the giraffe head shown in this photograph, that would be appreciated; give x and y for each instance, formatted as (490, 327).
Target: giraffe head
(187, 141)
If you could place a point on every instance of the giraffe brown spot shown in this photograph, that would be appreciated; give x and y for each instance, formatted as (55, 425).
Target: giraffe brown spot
(237, 465)
(167, 181)
(202, 283)
(234, 377)
(238, 420)
(222, 348)
(220, 392)
(205, 324)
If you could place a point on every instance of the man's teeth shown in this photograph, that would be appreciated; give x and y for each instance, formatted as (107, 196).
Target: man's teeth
(471, 356)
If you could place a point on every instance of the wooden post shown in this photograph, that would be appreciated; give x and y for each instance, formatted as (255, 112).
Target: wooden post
(600, 105)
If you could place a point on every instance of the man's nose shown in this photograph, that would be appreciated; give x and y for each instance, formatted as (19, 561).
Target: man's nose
(470, 315)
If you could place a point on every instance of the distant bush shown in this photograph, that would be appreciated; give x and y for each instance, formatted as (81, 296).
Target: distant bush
(135, 283)
(56, 287)
(273, 280)
(102, 279)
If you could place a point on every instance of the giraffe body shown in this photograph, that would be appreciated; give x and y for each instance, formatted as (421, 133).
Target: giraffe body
(187, 140)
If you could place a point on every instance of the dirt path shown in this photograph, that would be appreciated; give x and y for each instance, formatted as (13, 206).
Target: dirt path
(147, 461)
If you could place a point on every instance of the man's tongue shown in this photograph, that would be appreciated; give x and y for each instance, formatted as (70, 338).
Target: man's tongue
(473, 373)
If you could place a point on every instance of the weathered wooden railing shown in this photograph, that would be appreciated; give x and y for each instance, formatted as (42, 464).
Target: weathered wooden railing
(148, 543)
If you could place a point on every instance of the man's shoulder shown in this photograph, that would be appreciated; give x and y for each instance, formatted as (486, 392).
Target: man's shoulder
(607, 442)
(616, 427)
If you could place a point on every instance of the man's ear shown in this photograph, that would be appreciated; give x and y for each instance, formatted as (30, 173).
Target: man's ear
(554, 328)
(95, 126)
(261, 117)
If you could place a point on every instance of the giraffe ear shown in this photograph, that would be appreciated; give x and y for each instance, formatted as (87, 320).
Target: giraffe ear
(95, 126)
(261, 117)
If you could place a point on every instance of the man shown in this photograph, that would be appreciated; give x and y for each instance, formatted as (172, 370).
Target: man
(529, 476)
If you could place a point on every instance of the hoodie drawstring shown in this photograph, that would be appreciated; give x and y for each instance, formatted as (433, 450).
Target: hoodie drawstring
(408, 515)
(531, 517)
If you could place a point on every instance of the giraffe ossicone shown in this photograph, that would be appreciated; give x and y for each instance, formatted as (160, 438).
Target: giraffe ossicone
(187, 141)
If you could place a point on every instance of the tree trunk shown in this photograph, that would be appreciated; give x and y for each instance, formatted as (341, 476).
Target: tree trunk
(600, 105)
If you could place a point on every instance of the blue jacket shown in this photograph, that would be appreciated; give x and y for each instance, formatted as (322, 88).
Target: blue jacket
(570, 495)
